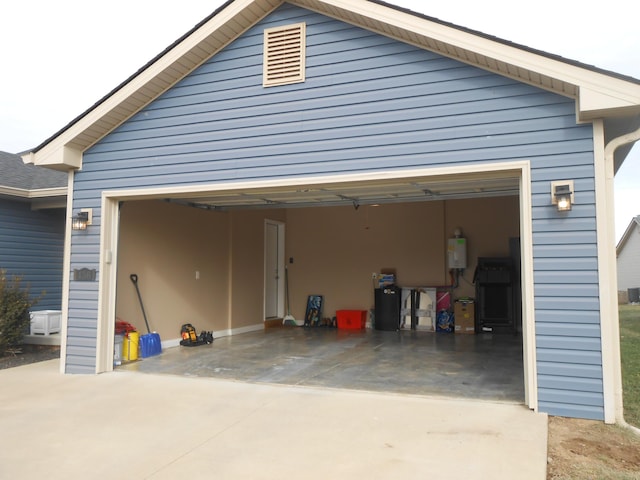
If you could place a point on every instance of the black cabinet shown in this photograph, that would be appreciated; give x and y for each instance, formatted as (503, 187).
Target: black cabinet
(387, 308)
(494, 279)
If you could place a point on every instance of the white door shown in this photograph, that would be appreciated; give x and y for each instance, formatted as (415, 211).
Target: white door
(274, 270)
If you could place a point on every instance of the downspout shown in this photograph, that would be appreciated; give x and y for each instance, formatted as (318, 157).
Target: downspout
(609, 152)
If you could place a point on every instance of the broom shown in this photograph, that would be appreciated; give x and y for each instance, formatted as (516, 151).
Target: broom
(288, 319)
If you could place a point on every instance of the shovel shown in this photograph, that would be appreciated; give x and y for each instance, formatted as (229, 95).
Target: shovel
(150, 343)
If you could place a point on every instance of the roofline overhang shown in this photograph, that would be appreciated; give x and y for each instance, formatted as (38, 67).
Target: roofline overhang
(598, 93)
(33, 194)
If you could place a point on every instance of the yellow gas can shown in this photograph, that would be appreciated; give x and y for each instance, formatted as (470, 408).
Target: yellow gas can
(130, 346)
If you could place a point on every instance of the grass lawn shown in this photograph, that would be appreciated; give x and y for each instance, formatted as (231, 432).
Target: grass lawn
(630, 353)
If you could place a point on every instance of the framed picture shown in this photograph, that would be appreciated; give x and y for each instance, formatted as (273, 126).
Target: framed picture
(314, 311)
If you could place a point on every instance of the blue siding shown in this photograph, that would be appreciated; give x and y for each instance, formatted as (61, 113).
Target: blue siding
(369, 103)
(32, 246)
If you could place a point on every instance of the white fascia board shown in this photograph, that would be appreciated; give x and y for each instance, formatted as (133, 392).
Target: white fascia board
(593, 104)
(48, 192)
(30, 194)
(14, 192)
(600, 94)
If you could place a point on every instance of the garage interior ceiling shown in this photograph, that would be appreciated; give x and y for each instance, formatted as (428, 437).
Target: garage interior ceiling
(354, 193)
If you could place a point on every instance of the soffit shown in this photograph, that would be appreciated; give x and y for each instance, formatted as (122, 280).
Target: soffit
(432, 36)
(600, 93)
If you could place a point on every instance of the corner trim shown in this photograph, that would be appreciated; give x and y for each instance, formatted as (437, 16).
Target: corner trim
(66, 275)
(607, 288)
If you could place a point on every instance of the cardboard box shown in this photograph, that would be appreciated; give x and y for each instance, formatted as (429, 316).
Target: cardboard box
(384, 280)
(464, 317)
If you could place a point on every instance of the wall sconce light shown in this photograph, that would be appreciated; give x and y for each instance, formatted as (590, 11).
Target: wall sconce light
(82, 219)
(562, 195)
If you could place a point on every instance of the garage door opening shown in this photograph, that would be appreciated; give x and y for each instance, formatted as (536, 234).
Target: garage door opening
(205, 265)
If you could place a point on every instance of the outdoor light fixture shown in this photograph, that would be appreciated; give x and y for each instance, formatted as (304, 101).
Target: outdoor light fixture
(82, 219)
(562, 195)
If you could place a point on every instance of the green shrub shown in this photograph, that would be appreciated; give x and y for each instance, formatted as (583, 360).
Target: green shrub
(14, 311)
(630, 352)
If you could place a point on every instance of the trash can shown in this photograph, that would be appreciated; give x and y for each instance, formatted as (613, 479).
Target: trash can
(117, 349)
(387, 308)
(634, 295)
(130, 346)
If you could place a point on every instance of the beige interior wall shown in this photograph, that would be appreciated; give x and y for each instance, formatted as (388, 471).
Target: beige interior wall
(247, 264)
(335, 250)
(487, 224)
(165, 244)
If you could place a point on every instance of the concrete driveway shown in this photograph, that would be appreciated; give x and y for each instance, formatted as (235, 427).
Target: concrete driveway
(141, 426)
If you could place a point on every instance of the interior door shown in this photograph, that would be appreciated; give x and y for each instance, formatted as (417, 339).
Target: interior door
(274, 270)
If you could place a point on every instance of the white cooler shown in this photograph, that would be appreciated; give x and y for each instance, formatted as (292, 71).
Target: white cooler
(45, 322)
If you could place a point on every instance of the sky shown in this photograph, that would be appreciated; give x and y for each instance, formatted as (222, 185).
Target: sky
(60, 57)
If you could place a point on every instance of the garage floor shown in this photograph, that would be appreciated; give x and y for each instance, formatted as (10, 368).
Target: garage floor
(483, 366)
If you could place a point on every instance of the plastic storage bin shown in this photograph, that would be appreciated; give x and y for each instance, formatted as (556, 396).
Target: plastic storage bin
(351, 319)
(45, 322)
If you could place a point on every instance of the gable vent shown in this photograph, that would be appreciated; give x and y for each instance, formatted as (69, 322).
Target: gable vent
(284, 52)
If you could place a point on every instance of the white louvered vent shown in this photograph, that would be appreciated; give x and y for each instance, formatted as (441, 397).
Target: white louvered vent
(284, 52)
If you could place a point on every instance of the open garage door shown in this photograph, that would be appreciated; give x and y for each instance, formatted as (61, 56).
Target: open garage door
(335, 229)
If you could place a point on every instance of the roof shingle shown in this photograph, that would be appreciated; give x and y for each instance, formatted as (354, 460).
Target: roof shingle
(14, 173)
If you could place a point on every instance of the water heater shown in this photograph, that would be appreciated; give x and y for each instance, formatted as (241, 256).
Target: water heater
(457, 253)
